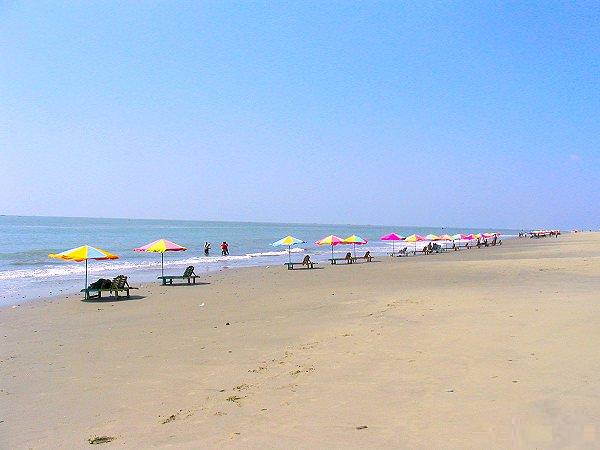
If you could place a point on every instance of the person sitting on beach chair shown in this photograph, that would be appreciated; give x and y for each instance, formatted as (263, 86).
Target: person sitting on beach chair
(306, 262)
(348, 258)
(367, 257)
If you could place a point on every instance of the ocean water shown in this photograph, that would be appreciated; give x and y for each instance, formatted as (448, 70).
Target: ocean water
(27, 273)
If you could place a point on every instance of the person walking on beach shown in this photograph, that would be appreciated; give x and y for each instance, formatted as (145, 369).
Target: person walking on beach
(224, 248)
(206, 248)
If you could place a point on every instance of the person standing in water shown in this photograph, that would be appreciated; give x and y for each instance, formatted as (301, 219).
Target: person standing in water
(206, 248)
(224, 248)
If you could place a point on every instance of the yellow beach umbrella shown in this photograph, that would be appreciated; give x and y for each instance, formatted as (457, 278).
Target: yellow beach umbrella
(83, 253)
(354, 240)
(414, 238)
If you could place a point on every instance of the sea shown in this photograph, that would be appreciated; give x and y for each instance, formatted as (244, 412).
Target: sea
(26, 272)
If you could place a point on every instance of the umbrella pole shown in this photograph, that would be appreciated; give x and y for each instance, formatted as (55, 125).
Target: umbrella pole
(354, 250)
(162, 265)
(290, 253)
(331, 253)
(86, 284)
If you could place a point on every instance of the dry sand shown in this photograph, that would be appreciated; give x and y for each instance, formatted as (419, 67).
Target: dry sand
(482, 348)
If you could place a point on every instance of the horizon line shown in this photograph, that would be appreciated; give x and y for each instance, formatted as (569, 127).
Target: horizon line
(262, 222)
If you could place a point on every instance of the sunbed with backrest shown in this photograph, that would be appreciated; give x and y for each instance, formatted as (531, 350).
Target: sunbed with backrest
(401, 252)
(347, 259)
(118, 284)
(306, 263)
(366, 258)
(188, 275)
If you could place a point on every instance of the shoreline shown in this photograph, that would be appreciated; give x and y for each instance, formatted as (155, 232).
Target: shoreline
(147, 275)
(484, 347)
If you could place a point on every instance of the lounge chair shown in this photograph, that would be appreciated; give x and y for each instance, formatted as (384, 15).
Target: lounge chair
(401, 252)
(188, 275)
(436, 248)
(305, 262)
(119, 284)
(347, 259)
(367, 257)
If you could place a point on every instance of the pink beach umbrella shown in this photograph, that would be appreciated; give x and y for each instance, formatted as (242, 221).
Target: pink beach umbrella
(161, 246)
(392, 237)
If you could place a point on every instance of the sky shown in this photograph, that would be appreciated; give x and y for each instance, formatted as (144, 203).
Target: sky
(479, 114)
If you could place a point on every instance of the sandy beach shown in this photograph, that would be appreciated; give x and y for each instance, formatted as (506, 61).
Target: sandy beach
(481, 348)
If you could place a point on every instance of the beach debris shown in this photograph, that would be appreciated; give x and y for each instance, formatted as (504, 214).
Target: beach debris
(235, 399)
(175, 416)
(201, 305)
(227, 323)
(301, 369)
(450, 390)
(171, 418)
(101, 440)
(362, 427)
(241, 387)
(257, 370)
(220, 413)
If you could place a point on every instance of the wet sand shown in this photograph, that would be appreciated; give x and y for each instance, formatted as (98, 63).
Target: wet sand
(482, 348)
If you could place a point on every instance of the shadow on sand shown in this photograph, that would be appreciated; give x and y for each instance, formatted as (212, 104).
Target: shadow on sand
(110, 299)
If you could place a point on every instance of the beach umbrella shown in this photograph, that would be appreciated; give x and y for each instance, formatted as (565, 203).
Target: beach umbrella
(161, 246)
(330, 240)
(456, 237)
(355, 240)
(445, 237)
(432, 237)
(414, 238)
(289, 241)
(83, 253)
(392, 237)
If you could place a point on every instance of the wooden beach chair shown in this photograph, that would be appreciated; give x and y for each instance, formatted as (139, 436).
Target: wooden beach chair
(401, 252)
(367, 257)
(188, 275)
(347, 259)
(118, 284)
(306, 263)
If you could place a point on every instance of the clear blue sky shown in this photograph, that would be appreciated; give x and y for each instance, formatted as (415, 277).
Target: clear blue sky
(409, 113)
